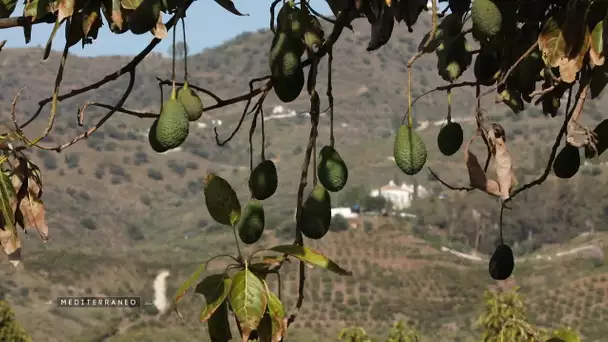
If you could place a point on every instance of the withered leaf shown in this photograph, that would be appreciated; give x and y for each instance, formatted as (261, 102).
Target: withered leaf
(477, 177)
(65, 9)
(28, 207)
(570, 66)
(11, 244)
(503, 162)
(551, 43)
(31, 215)
(160, 30)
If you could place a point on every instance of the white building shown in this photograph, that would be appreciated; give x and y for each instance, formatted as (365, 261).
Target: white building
(347, 213)
(400, 196)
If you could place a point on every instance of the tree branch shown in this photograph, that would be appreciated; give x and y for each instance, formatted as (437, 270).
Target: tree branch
(110, 77)
(25, 21)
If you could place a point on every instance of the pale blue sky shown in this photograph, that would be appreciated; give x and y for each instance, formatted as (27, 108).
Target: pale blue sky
(207, 25)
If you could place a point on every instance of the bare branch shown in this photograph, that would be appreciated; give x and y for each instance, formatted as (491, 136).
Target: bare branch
(25, 21)
(314, 122)
(105, 118)
(440, 88)
(265, 89)
(451, 187)
(110, 77)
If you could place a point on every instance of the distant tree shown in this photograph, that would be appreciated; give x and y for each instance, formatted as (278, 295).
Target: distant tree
(504, 319)
(10, 329)
(180, 49)
(401, 333)
(374, 203)
(354, 334)
(339, 224)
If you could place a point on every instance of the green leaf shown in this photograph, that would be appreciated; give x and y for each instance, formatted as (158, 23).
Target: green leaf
(248, 299)
(229, 6)
(312, 257)
(37, 8)
(449, 28)
(221, 200)
(454, 59)
(215, 289)
(131, 4)
(8, 198)
(276, 310)
(193, 278)
(7, 7)
(218, 324)
(567, 335)
(596, 52)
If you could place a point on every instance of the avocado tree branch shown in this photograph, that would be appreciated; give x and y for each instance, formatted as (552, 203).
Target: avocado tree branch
(451, 187)
(314, 123)
(129, 67)
(24, 21)
(503, 80)
(441, 88)
(105, 118)
(577, 108)
(266, 88)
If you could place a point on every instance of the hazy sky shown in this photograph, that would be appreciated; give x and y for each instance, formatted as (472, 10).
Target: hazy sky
(207, 25)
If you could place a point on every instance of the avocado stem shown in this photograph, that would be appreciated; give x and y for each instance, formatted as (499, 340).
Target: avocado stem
(449, 91)
(174, 91)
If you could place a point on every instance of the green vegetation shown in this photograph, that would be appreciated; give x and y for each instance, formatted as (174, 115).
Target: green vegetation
(10, 330)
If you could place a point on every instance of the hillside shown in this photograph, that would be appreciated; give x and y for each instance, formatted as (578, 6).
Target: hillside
(118, 212)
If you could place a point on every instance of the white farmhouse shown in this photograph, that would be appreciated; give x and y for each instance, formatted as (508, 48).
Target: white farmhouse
(400, 196)
(347, 213)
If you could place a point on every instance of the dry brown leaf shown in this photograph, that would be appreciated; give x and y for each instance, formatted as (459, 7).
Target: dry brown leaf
(11, 244)
(477, 177)
(503, 162)
(65, 9)
(596, 58)
(160, 30)
(28, 207)
(26, 171)
(31, 215)
(569, 67)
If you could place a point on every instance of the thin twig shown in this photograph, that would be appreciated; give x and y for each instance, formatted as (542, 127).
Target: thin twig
(451, 187)
(105, 118)
(330, 98)
(251, 133)
(265, 89)
(263, 152)
(314, 122)
(439, 88)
